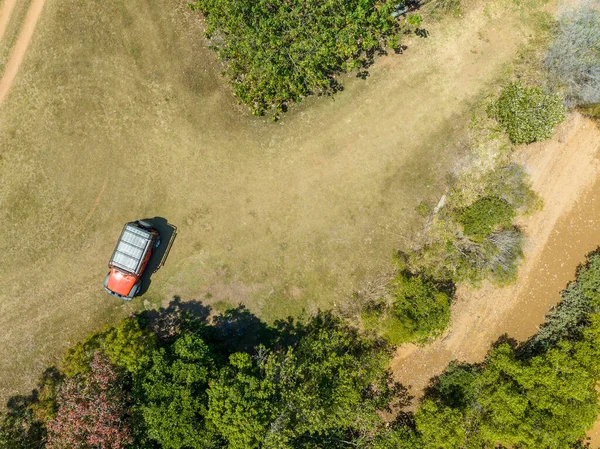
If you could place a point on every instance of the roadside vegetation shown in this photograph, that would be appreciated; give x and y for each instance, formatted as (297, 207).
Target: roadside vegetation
(173, 379)
(471, 235)
(527, 114)
(538, 393)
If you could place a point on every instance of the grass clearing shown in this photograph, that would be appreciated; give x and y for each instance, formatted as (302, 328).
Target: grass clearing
(128, 118)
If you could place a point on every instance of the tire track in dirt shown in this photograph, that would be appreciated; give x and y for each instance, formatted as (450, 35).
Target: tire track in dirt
(5, 14)
(18, 53)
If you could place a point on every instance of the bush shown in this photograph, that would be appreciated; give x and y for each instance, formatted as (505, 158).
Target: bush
(526, 113)
(511, 184)
(93, 412)
(421, 307)
(280, 52)
(485, 216)
(464, 259)
(127, 345)
(573, 58)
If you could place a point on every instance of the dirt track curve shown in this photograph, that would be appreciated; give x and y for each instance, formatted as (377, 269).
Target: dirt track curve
(18, 53)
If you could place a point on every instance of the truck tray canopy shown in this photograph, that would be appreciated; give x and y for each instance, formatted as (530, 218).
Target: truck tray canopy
(132, 247)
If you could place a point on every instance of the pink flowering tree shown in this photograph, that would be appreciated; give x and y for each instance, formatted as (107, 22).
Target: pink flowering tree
(93, 412)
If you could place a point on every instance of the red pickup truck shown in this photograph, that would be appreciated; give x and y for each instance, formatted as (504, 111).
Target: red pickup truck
(130, 258)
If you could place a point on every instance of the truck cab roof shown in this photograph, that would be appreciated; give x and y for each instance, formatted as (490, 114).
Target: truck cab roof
(132, 247)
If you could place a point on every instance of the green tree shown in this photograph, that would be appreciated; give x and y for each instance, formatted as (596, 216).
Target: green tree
(421, 307)
(323, 390)
(171, 395)
(569, 319)
(440, 427)
(548, 401)
(527, 114)
(242, 402)
(280, 52)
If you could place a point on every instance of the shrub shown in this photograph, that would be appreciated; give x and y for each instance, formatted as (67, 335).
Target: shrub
(280, 52)
(93, 412)
(511, 184)
(485, 216)
(20, 430)
(421, 307)
(573, 58)
(423, 209)
(527, 114)
(464, 259)
(126, 345)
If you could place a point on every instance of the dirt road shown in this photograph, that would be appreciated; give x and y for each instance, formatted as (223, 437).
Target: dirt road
(565, 173)
(18, 53)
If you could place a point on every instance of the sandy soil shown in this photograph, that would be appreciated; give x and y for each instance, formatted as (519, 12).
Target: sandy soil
(564, 171)
(18, 53)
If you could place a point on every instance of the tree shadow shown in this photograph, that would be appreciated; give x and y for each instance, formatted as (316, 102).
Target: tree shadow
(235, 330)
(505, 339)
(239, 330)
(455, 387)
(422, 32)
(168, 233)
(21, 426)
(177, 317)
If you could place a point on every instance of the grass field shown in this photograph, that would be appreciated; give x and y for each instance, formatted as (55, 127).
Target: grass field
(119, 113)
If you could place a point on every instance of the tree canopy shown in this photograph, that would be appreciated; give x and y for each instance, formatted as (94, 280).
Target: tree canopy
(279, 52)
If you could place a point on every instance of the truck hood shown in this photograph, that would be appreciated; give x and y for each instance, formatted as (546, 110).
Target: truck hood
(120, 283)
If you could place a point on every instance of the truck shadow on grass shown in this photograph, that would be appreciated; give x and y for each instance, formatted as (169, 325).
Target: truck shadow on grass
(168, 233)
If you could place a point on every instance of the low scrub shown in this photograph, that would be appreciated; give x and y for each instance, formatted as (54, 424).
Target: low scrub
(418, 309)
(485, 216)
(573, 58)
(472, 237)
(279, 52)
(421, 306)
(527, 114)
